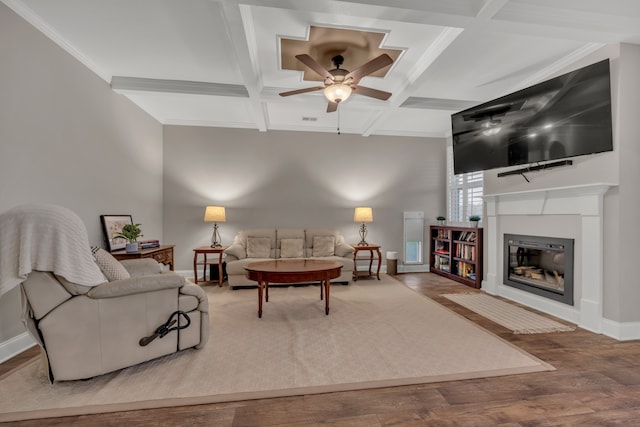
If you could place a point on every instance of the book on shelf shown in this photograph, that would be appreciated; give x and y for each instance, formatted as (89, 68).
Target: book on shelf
(467, 236)
(466, 252)
(444, 234)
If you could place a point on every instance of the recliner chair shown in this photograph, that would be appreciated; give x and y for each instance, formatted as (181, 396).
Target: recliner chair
(134, 311)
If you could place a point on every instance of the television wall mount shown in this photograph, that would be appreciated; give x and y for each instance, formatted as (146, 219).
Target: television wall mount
(534, 168)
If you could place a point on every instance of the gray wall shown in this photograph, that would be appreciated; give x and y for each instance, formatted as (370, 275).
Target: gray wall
(66, 138)
(296, 179)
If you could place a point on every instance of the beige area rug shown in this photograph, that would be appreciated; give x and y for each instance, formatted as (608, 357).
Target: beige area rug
(378, 333)
(512, 317)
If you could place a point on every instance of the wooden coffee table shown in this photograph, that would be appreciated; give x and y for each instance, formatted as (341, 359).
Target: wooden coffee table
(293, 271)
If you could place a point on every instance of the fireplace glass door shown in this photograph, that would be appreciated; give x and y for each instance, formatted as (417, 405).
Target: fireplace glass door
(540, 265)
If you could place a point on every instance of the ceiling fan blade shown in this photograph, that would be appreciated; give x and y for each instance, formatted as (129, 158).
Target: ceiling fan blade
(373, 93)
(297, 91)
(370, 67)
(332, 106)
(311, 63)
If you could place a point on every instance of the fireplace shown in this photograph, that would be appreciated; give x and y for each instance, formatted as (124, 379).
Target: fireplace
(540, 265)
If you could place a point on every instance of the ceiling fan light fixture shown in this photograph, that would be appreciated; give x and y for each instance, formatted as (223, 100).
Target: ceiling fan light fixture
(337, 92)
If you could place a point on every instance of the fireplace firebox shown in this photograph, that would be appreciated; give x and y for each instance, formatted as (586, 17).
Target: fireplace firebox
(540, 265)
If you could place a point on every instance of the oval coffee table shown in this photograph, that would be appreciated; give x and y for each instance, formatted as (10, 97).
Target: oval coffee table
(293, 271)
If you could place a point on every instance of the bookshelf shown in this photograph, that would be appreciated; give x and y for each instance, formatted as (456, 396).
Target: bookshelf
(456, 253)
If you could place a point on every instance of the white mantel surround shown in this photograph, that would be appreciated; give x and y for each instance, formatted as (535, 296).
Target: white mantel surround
(586, 202)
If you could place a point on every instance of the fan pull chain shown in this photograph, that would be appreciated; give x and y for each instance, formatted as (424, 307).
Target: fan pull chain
(338, 108)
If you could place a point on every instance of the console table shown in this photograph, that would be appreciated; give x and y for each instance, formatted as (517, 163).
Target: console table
(371, 249)
(163, 254)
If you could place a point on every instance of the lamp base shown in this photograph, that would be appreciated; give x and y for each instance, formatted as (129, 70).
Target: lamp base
(215, 237)
(363, 235)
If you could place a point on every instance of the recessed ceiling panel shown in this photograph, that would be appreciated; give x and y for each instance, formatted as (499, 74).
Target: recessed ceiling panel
(162, 39)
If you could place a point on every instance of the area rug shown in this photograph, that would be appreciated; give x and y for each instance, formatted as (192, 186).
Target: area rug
(378, 333)
(512, 317)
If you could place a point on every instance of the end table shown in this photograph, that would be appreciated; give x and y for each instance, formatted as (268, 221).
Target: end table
(208, 250)
(371, 249)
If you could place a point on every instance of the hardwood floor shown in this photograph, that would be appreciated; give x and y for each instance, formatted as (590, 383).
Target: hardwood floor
(596, 383)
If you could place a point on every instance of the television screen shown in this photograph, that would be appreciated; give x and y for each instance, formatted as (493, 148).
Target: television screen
(567, 116)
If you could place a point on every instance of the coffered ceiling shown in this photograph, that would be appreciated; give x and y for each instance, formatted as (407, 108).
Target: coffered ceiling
(223, 62)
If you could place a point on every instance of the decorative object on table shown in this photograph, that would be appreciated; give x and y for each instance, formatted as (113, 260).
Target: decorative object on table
(148, 244)
(215, 214)
(441, 220)
(112, 226)
(363, 215)
(474, 220)
(131, 232)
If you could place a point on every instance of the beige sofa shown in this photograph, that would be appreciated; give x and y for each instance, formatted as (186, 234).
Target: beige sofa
(265, 244)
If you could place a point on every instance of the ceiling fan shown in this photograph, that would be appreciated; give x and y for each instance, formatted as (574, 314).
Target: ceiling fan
(340, 83)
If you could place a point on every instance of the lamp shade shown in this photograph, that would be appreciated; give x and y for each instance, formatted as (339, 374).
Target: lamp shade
(337, 92)
(363, 214)
(215, 214)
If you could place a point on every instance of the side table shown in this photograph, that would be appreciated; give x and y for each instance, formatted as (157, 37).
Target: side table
(371, 249)
(204, 251)
(163, 254)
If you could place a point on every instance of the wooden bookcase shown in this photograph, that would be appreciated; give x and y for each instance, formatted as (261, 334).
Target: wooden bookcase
(456, 253)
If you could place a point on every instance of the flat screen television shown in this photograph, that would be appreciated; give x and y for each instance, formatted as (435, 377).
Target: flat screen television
(567, 116)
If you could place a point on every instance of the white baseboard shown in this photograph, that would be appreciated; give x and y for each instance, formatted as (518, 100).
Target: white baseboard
(622, 331)
(16, 345)
(413, 268)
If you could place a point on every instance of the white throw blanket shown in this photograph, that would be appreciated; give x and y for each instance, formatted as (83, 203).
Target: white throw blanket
(45, 238)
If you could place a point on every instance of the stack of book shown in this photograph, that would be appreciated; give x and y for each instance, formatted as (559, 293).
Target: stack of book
(146, 244)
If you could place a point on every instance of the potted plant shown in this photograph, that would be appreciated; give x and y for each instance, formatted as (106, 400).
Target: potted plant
(474, 220)
(131, 232)
(441, 220)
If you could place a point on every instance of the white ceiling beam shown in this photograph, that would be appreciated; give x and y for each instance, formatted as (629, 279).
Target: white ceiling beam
(123, 83)
(239, 26)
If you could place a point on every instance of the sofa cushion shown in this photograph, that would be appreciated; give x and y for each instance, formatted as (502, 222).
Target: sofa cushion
(291, 248)
(111, 267)
(258, 247)
(323, 246)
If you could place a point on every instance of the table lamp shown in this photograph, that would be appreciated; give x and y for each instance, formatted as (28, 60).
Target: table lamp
(215, 214)
(363, 214)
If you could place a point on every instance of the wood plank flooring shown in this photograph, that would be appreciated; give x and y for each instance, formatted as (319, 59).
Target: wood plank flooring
(597, 383)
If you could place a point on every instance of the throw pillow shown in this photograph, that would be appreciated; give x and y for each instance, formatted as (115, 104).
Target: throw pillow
(323, 245)
(258, 247)
(111, 267)
(343, 249)
(291, 248)
(237, 250)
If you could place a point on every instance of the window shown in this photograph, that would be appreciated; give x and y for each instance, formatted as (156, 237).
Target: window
(413, 237)
(464, 192)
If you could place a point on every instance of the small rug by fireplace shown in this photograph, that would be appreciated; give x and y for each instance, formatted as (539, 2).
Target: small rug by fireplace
(517, 319)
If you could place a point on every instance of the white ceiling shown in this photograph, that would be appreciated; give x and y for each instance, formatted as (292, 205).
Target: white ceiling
(217, 62)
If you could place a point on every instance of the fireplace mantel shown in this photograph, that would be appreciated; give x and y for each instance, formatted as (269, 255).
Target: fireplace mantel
(585, 201)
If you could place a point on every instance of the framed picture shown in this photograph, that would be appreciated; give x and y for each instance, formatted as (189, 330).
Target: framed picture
(111, 226)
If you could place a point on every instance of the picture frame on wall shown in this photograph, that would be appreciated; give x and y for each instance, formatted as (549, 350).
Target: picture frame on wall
(112, 226)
